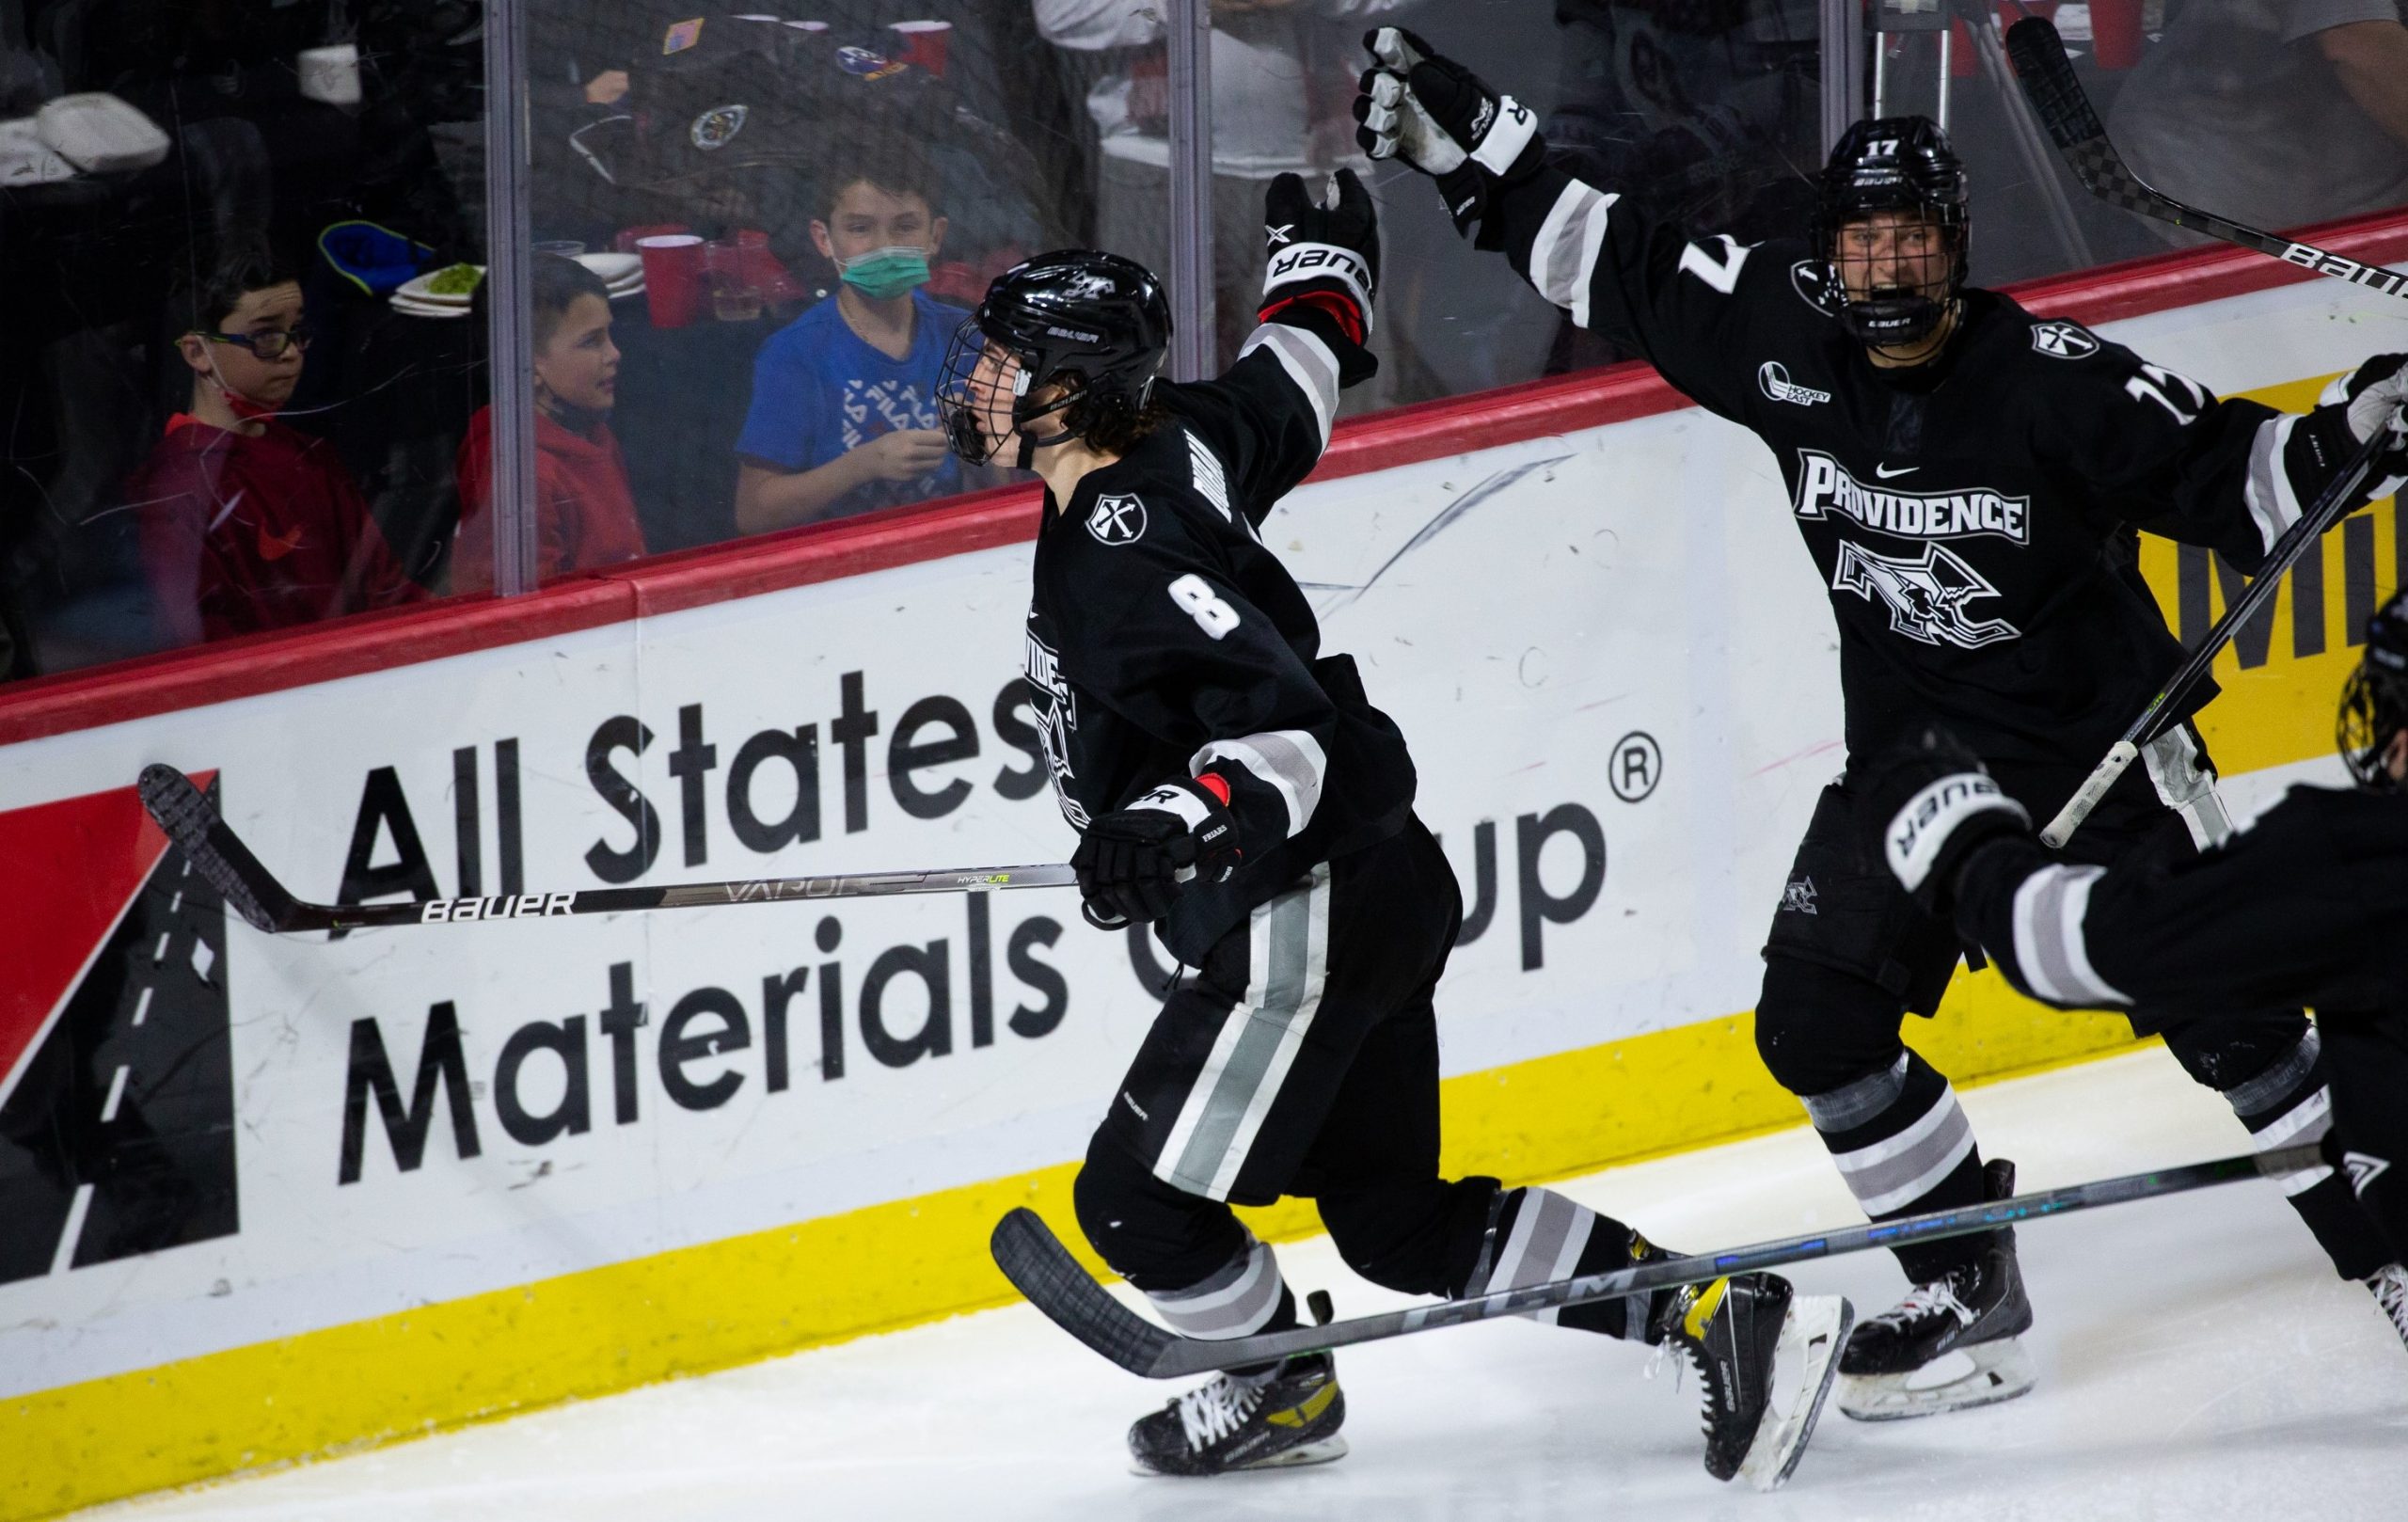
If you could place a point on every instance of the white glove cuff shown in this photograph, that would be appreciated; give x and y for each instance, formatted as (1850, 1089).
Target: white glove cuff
(1297, 262)
(1919, 831)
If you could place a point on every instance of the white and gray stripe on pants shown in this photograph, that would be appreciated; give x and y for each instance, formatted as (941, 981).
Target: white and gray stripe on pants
(1287, 965)
(1549, 1234)
(1236, 1301)
(1898, 1170)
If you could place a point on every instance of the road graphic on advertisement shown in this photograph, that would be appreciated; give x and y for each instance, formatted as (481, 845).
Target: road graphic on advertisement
(117, 1114)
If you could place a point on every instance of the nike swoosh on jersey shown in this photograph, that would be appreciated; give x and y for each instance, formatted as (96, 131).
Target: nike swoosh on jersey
(1888, 474)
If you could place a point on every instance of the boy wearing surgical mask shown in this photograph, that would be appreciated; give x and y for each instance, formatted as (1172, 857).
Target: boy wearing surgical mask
(249, 524)
(844, 416)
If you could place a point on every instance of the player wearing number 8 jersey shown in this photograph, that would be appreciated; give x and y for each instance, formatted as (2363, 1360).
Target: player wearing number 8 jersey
(1234, 788)
(1969, 480)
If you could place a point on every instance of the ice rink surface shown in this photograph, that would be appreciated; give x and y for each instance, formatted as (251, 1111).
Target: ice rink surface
(2198, 1359)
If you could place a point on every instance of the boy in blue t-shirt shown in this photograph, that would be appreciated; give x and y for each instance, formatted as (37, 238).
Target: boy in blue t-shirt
(843, 414)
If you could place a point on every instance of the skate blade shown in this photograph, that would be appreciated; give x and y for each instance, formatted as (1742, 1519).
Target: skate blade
(1321, 1450)
(1981, 1375)
(1804, 1366)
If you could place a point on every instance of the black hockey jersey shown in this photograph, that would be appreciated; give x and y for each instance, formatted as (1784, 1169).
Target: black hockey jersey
(1165, 640)
(2308, 905)
(1972, 518)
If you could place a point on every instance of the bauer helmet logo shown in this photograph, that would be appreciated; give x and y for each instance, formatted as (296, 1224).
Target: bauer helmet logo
(1073, 334)
(2060, 340)
(1117, 520)
(1774, 377)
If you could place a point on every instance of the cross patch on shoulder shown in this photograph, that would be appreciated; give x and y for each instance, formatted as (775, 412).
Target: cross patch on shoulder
(2060, 340)
(1117, 520)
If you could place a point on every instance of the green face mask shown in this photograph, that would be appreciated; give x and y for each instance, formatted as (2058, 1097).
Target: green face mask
(883, 274)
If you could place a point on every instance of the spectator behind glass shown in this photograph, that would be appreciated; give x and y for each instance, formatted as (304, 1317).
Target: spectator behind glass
(2275, 112)
(584, 515)
(844, 416)
(247, 523)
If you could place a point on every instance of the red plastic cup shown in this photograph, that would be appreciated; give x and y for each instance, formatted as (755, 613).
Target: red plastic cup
(925, 43)
(672, 277)
(2115, 32)
(625, 239)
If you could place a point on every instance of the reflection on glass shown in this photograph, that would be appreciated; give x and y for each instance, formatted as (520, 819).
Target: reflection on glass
(224, 415)
(585, 515)
(812, 198)
(2275, 116)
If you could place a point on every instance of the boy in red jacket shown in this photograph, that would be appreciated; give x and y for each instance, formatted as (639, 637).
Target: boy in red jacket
(248, 524)
(585, 515)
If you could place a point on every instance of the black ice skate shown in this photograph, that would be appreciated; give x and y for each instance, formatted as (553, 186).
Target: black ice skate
(1951, 1344)
(1765, 1358)
(2390, 1286)
(1290, 1416)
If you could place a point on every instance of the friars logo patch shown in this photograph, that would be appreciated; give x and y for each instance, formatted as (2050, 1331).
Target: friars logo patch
(1057, 713)
(1797, 897)
(1925, 594)
(2060, 340)
(1774, 378)
(1117, 520)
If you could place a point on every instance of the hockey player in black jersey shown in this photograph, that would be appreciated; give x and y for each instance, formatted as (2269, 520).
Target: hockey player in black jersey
(2307, 904)
(1233, 788)
(1969, 480)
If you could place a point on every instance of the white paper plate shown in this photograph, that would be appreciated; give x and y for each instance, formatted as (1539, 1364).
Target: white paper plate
(615, 269)
(417, 291)
(421, 308)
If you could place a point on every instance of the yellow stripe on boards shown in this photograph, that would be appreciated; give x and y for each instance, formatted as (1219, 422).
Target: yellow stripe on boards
(2280, 710)
(888, 1266)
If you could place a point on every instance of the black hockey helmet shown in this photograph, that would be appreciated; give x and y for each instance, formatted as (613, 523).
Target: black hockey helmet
(2374, 705)
(1897, 164)
(1094, 323)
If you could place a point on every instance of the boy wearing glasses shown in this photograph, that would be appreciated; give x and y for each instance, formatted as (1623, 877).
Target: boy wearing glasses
(247, 523)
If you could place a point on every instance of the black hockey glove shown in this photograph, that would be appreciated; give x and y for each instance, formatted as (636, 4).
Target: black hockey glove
(1437, 116)
(1133, 862)
(1323, 257)
(2372, 396)
(1929, 805)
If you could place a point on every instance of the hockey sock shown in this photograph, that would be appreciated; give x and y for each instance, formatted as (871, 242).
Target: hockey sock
(1244, 1297)
(1903, 1145)
(2289, 1105)
(1537, 1236)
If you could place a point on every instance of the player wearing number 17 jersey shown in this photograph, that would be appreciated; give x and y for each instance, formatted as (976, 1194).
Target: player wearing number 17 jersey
(1234, 788)
(1969, 480)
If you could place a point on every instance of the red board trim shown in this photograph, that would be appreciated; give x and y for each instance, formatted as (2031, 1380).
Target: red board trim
(1006, 516)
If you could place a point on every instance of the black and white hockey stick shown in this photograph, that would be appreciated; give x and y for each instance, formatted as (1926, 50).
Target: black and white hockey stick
(1043, 1270)
(227, 865)
(2056, 96)
(2299, 540)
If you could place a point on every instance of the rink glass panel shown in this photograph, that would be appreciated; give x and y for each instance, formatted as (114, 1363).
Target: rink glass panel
(145, 151)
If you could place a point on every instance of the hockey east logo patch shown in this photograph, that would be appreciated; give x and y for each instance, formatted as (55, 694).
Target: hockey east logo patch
(1925, 594)
(1117, 520)
(1774, 377)
(1824, 489)
(117, 1086)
